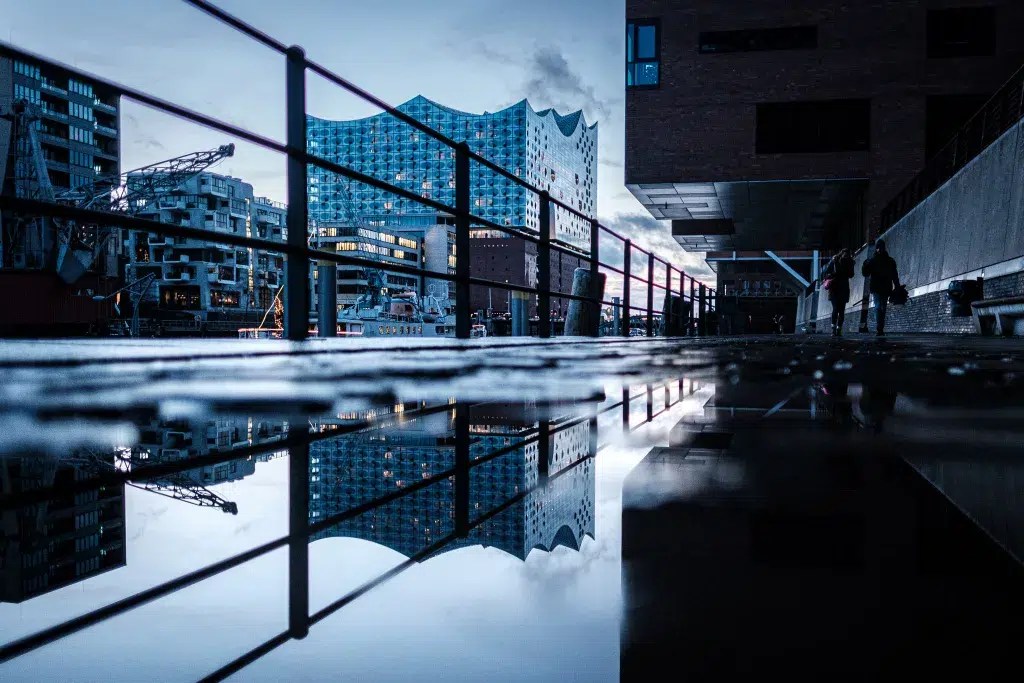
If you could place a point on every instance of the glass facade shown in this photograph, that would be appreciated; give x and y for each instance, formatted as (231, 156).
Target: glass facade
(548, 150)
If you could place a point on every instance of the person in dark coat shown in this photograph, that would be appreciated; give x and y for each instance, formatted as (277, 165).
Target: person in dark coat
(883, 279)
(838, 273)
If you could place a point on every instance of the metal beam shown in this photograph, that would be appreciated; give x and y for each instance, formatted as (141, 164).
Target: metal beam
(789, 269)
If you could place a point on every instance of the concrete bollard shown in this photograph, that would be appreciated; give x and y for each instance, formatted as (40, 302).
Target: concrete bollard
(520, 314)
(327, 304)
(580, 320)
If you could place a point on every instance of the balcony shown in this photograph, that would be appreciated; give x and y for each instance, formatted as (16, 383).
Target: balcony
(53, 139)
(58, 165)
(105, 130)
(178, 276)
(50, 88)
(104, 107)
(55, 115)
(175, 258)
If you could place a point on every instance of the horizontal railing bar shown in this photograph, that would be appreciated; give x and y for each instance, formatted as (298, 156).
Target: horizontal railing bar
(248, 658)
(239, 25)
(21, 646)
(159, 103)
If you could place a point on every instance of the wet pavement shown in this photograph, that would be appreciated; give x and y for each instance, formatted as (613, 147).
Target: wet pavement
(512, 509)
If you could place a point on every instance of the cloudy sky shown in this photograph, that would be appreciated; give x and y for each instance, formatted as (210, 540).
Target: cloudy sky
(474, 55)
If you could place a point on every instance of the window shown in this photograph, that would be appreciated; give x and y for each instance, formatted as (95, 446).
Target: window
(756, 40)
(825, 126)
(962, 32)
(643, 54)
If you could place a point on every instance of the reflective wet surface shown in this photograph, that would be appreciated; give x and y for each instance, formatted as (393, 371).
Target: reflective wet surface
(589, 510)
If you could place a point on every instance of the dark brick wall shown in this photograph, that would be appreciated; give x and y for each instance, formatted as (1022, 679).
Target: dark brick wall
(931, 312)
(699, 124)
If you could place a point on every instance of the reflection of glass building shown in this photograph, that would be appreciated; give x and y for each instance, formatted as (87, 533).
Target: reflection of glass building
(357, 468)
(67, 539)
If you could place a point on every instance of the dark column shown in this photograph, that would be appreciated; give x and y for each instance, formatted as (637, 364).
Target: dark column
(544, 268)
(298, 540)
(296, 289)
(463, 324)
(627, 259)
(650, 295)
(596, 290)
(327, 318)
(462, 470)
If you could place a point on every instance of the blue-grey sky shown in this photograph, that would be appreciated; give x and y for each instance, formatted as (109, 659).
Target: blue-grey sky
(474, 55)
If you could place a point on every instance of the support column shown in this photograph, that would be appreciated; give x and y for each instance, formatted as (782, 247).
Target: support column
(463, 324)
(327, 305)
(544, 268)
(296, 271)
(627, 311)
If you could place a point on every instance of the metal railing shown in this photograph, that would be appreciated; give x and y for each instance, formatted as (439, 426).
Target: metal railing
(303, 527)
(300, 255)
(996, 116)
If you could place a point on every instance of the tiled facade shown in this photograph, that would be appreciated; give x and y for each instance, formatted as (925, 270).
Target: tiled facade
(548, 150)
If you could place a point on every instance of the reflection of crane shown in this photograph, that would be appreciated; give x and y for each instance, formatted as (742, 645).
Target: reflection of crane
(178, 486)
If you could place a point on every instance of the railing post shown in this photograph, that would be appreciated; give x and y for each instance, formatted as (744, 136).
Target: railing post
(544, 268)
(462, 470)
(690, 326)
(463, 324)
(667, 308)
(296, 290)
(650, 294)
(682, 302)
(650, 402)
(298, 539)
(625, 409)
(627, 310)
(327, 319)
(702, 328)
(543, 448)
(595, 269)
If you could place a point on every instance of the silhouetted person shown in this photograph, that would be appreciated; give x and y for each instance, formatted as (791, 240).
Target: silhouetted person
(877, 402)
(883, 279)
(837, 274)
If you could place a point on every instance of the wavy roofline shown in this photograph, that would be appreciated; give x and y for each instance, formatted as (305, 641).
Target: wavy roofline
(567, 123)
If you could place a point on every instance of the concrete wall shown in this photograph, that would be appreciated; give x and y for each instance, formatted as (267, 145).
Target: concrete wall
(973, 226)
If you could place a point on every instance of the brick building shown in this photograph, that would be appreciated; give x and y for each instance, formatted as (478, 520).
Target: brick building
(789, 124)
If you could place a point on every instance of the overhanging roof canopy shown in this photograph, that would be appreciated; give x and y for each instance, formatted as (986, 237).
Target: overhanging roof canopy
(790, 214)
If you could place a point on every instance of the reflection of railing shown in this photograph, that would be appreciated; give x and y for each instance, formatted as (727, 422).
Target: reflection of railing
(1003, 110)
(296, 293)
(300, 529)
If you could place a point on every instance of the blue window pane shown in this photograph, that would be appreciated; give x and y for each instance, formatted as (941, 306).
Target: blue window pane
(645, 42)
(647, 73)
(630, 30)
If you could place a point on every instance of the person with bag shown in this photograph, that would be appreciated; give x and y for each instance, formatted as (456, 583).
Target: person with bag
(883, 280)
(837, 282)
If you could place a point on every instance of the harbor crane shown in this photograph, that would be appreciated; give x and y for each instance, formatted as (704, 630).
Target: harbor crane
(78, 246)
